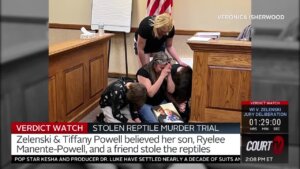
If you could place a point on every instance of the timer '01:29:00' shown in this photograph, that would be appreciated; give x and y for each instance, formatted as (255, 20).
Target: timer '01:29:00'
(264, 122)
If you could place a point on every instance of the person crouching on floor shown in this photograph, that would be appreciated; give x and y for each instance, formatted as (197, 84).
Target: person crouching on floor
(117, 96)
(182, 78)
(156, 77)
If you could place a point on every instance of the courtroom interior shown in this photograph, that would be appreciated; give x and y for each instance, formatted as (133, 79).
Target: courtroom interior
(251, 60)
(226, 71)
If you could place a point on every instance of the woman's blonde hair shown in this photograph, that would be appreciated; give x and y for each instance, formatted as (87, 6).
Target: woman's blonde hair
(160, 21)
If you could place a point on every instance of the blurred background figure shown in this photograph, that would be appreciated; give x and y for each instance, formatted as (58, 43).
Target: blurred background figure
(246, 34)
(291, 32)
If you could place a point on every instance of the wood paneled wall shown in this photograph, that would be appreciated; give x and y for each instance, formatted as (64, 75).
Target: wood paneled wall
(77, 76)
(221, 80)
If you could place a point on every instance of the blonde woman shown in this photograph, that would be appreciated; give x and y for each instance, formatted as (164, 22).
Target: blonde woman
(155, 34)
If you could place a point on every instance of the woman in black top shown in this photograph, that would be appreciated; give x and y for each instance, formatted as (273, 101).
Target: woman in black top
(182, 78)
(121, 93)
(156, 77)
(155, 33)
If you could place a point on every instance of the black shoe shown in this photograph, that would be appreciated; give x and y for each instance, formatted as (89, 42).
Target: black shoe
(100, 118)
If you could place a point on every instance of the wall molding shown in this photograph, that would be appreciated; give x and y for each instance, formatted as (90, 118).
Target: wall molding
(133, 29)
(117, 75)
(68, 26)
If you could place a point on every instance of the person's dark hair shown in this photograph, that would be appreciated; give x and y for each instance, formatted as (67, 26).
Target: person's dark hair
(183, 84)
(137, 94)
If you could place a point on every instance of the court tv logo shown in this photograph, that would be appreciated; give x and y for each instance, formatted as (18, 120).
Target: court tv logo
(276, 146)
